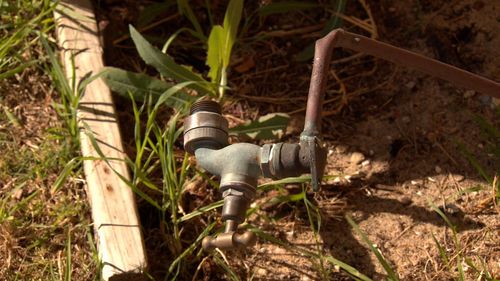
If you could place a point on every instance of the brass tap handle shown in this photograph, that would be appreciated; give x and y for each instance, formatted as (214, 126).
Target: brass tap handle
(229, 240)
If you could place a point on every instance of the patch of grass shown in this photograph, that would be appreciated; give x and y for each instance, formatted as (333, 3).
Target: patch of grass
(391, 274)
(457, 259)
(22, 22)
(44, 231)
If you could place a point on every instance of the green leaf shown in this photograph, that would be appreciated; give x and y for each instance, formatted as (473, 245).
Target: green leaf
(231, 23)
(214, 54)
(442, 251)
(285, 7)
(166, 65)
(141, 85)
(220, 43)
(270, 126)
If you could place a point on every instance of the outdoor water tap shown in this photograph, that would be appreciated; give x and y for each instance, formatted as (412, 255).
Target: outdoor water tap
(239, 165)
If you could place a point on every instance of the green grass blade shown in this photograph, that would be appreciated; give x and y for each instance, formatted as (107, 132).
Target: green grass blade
(270, 126)
(185, 9)
(191, 247)
(473, 161)
(140, 85)
(68, 169)
(222, 263)
(388, 269)
(166, 65)
(201, 211)
(231, 22)
(67, 272)
(347, 268)
(442, 251)
(214, 53)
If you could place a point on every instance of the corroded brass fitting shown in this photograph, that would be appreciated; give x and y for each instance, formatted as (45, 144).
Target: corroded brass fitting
(239, 166)
(205, 127)
(229, 240)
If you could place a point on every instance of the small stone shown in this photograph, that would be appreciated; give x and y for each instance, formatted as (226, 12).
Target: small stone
(458, 178)
(18, 194)
(348, 178)
(410, 85)
(372, 152)
(469, 93)
(357, 157)
(340, 149)
(365, 163)
(330, 152)
(485, 100)
(431, 179)
(450, 209)
(480, 145)
(438, 169)
(261, 272)
(406, 201)
(416, 182)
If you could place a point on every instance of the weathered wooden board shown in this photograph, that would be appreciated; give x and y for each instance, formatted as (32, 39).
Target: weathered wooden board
(114, 211)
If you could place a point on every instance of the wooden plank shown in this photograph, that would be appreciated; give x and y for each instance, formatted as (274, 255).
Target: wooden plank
(114, 211)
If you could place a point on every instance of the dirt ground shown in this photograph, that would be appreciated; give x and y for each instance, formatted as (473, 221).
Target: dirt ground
(398, 141)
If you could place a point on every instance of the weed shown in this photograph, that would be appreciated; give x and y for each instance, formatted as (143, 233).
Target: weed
(40, 226)
(392, 275)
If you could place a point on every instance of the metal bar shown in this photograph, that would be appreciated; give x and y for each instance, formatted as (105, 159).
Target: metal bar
(341, 38)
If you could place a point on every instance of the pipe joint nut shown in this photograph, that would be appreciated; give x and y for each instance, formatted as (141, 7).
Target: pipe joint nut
(205, 127)
(281, 160)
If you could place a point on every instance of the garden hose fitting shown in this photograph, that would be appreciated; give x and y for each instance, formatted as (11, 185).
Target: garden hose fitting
(239, 166)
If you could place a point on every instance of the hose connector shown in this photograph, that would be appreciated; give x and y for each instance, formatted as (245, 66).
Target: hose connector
(205, 127)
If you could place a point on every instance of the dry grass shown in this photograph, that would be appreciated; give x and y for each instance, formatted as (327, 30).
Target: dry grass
(45, 234)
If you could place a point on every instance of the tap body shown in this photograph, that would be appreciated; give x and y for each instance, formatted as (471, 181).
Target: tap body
(238, 166)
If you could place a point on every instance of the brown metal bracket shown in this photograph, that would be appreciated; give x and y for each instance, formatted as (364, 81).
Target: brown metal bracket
(340, 38)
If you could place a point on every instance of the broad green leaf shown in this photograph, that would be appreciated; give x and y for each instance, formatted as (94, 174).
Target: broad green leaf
(284, 7)
(231, 22)
(214, 54)
(166, 65)
(270, 126)
(220, 44)
(140, 85)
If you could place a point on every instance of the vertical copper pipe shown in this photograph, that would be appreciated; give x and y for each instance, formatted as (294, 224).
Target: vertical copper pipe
(341, 38)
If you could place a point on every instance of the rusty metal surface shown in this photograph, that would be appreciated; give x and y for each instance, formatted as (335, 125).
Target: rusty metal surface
(355, 42)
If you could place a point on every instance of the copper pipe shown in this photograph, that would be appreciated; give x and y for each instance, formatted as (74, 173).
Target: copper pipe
(340, 38)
